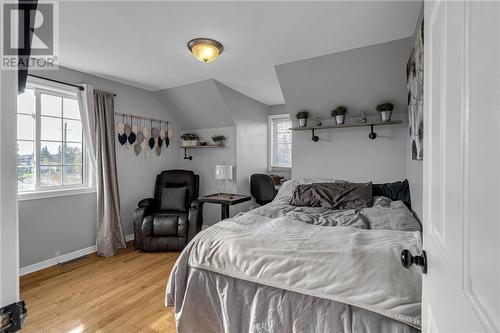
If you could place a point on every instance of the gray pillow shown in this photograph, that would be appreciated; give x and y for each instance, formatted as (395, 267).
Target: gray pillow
(173, 198)
(333, 195)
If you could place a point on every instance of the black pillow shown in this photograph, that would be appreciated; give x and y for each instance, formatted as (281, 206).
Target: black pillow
(173, 198)
(333, 195)
(394, 191)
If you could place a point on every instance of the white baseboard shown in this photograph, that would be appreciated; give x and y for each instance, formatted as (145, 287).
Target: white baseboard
(62, 258)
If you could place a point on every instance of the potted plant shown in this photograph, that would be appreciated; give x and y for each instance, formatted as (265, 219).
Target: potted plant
(339, 114)
(219, 139)
(190, 140)
(302, 117)
(385, 110)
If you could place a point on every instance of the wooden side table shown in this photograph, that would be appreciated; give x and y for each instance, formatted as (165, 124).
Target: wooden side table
(225, 200)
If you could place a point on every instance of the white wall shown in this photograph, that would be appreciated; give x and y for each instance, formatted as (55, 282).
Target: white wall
(66, 224)
(359, 79)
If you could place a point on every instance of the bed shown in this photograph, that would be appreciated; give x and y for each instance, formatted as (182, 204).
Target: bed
(285, 268)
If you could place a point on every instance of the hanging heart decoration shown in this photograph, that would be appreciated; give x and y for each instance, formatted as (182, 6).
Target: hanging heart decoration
(160, 142)
(137, 149)
(132, 136)
(122, 137)
(167, 139)
(151, 143)
(158, 150)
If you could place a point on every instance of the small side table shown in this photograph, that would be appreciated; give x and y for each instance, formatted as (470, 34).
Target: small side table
(225, 200)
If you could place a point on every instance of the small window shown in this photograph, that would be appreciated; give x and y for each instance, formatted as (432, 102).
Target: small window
(50, 148)
(280, 142)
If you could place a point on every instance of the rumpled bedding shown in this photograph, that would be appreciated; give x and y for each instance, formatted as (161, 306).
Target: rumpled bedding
(273, 268)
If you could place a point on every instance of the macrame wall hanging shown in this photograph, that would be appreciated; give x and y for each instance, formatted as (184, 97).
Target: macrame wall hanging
(142, 135)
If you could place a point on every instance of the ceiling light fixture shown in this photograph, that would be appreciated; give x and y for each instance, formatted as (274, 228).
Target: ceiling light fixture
(205, 49)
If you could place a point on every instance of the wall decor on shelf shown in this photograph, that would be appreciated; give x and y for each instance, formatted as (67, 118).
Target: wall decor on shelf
(372, 135)
(192, 141)
(142, 134)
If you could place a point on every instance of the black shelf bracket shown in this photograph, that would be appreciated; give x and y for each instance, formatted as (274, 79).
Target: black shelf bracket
(315, 138)
(187, 157)
(372, 134)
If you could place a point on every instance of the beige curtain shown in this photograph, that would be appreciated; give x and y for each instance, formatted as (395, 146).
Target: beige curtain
(98, 119)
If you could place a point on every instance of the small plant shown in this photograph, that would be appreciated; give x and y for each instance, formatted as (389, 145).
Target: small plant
(385, 107)
(189, 137)
(303, 115)
(339, 111)
(218, 138)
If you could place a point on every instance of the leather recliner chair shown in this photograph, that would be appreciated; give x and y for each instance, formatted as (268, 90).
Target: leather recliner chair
(157, 229)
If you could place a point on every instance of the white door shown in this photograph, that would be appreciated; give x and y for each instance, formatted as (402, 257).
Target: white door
(461, 292)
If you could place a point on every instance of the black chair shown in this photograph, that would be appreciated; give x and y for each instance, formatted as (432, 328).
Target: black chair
(262, 188)
(173, 217)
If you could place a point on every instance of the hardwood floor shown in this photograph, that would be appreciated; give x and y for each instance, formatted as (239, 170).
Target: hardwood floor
(124, 293)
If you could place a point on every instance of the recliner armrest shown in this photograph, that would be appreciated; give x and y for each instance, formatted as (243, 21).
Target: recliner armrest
(147, 203)
(195, 204)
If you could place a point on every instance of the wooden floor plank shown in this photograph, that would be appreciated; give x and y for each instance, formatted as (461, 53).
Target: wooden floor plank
(124, 293)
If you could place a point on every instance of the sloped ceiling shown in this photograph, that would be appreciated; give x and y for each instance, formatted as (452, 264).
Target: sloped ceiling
(143, 43)
(197, 105)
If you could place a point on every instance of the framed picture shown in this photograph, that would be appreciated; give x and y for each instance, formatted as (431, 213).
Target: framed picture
(415, 86)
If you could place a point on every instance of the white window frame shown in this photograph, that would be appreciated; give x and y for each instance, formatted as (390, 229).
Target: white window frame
(41, 86)
(270, 120)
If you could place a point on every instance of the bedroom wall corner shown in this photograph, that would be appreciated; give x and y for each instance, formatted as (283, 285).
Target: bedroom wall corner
(359, 79)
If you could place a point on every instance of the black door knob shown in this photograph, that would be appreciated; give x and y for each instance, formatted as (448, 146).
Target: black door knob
(407, 259)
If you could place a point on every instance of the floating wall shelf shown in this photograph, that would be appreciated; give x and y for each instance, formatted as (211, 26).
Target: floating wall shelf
(198, 147)
(370, 124)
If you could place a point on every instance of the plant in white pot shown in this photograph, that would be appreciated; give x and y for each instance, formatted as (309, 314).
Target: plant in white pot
(385, 110)
(190, 140)
(339, 114)
(302, 117)
(219, 139)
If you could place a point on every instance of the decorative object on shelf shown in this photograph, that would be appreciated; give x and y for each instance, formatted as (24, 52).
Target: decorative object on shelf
(385, 110)
(339, 113)
(190, 140)
(319, 122)
(363, 118)
(302, 117)
(372, 134)
(415, 87)
(205, 49)
(219, 139)
(224, 172)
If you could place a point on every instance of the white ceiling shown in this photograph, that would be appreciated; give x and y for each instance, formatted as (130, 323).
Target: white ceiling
(144, 43)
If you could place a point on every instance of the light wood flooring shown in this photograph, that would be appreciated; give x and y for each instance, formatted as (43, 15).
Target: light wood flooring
(124, 293)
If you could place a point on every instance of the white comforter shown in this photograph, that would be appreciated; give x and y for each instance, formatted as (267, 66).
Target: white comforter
(344, 264)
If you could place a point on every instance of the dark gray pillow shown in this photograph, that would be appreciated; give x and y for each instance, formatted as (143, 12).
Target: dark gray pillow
(333, 195)
(173, 198)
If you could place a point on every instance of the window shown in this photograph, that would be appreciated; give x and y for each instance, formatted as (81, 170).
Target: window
(280, 142)
(50, 148)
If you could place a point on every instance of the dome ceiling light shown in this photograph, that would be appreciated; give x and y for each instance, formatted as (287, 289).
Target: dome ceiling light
(205, 49)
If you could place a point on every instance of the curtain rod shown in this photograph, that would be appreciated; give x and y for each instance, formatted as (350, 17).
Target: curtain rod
(141, 117)
(61, 82)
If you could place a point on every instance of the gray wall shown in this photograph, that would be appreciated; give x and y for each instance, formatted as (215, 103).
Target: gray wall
(66, 224)
(203, 164)
(359, 79)
(414, 169)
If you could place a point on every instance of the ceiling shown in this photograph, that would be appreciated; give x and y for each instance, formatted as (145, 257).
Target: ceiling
(144, 43)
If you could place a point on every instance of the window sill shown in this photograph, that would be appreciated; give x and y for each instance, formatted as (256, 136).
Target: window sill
(54, 193)
(280, 169)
